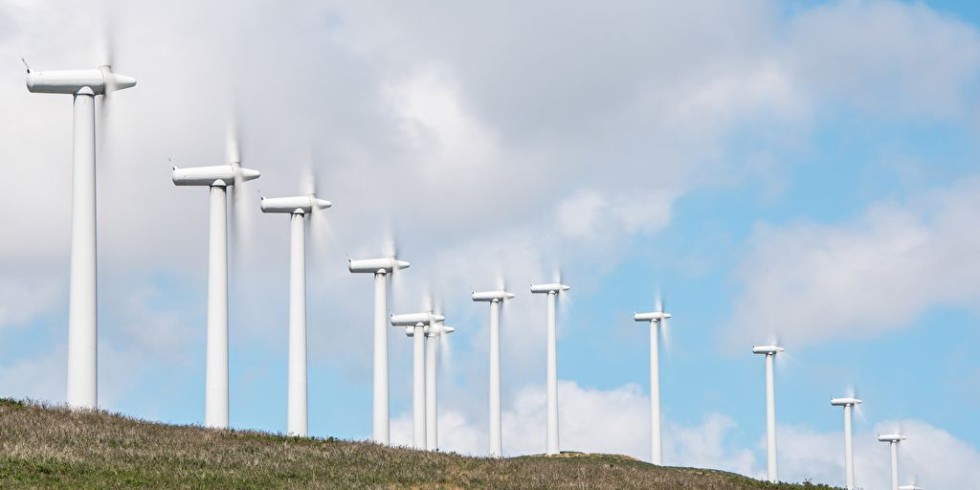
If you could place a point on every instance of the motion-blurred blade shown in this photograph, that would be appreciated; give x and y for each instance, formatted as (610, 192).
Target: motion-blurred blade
(105, 59)
(445, 352)
(233, 150)
(308, 179)
(233, 157)
(391, 246)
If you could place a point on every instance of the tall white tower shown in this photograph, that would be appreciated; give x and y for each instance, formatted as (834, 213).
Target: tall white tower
(298, 207)
(893, 440)
(83, 86)
(381, 268)
(434, 334)
(495, 298)
(218, 178)
(848, 403)
(770, 352)
(552, 290)
(417, 323)
(655, 319)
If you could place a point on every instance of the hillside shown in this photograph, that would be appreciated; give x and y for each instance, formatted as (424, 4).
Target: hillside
(53, 447)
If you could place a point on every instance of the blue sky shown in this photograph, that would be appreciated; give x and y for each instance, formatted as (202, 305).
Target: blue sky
(800, 170)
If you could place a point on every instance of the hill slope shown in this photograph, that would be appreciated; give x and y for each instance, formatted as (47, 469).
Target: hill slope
(53, 447)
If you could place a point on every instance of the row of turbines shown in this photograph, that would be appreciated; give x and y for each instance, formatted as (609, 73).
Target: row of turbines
(425, 327)
(849, 404)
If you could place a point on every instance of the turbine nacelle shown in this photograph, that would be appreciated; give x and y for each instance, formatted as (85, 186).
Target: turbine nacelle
(499, 295)
(891, 437)
(846, 401)
(99, 80)
(386, 264)
(210, 175)
(293, 204)
(769, 350)
(414, 319)
(552, 287)
(432, 330)
(653, 316)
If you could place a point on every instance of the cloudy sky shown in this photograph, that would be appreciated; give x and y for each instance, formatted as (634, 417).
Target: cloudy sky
(798, 170)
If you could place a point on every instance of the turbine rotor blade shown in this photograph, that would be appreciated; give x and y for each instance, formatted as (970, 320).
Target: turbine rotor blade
(233, 153)
(308, 183)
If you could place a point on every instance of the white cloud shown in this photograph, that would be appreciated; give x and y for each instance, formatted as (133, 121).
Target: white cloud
(591, 420)
(24, 297)
(813, 282)
(616, 421)
(708, 446)
(591, 216)
(40, 377)
(898, 58)
(931, 456)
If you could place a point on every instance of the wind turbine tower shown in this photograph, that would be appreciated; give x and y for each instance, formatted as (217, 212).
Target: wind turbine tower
(83, 86)
(417, 323)
(552, 290)
(495, 298)
(381, 268)
(655, 319)
(770, 352)
(434, 334)
(218, 178)
(848, 403)
(298, 207)
(893, 440)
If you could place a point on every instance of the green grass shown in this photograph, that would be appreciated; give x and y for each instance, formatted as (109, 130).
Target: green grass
(56, 448)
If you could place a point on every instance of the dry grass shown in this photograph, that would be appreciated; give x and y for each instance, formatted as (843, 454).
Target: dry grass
(56, 448)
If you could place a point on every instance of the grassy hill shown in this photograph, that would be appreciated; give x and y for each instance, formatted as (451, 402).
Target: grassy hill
(56, 448)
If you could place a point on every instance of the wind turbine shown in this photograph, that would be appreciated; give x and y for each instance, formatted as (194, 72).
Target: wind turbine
(83, 85)
(656, 319)
(770, 352)
(380, 268)
(494, 298)
(298, 207)
(893, 440)
(552, 290)
(848, 403)
(218, 178)
(434, 334)
(417, 323)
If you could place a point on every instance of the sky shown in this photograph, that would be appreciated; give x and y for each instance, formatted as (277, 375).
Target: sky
(799, 171)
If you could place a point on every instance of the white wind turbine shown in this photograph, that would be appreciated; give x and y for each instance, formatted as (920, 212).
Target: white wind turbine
(434, 335)
(381, 268)
(656, 319)
(83, 85)
(552, 290)
(417, 323)
(848, 403)
(218, 178)
(495, 298)
(893, 440)
(298, 207)
(770, 352)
